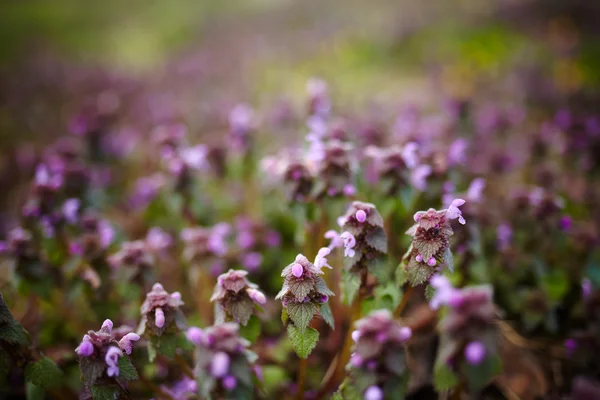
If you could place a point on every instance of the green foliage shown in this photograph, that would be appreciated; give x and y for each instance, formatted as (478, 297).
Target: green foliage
(44, 373)
(301, 288)
(5, 366)
(387, 295)
(241, 310)
(251, 330)
(107, 392)
(478, 376)
(91, 369)
(443, 377)
(165, 344)
(350, 285)
(303, 341)
(126, 369)
(327, 315)
(301, 314)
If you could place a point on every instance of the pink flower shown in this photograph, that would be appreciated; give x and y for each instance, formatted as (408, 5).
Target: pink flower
(418, 177)
(409, 154)
(69, 210)
(229, 382)
(453, 212)
(444, 291)
(336, 240)
(125, 342)
(373, 393)
(361, 216)
(256, 295)
(297, 270)
(475, 353)
(195, 335)
(320, 260)
(112, 360)
(431, 262)
(86, 348)
(159, 316)
(475, 190)
(219, 365)
(349, 243)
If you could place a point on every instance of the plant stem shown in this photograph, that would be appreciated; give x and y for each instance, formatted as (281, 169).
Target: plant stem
(404, 302)
(345, 353)
(184, 366)
(301, 378)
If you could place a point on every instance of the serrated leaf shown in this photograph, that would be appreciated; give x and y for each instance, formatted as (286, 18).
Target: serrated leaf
(388, 296)
(350, 262)
(44, 373)
(378, 267)
(251, 330)
(14, 333)
(240, 310)
(104, 392)
(301, 314)
(350, 286)
(400, 275)
(127, 370)
(427, 248)
(33, 392)
(5, 314)
(377, 240)
(327, 315)
(91, 369)
(303, 341)
(321, 287)
(418, 273)
(444, 378)
(429, 292)
(165, 344)
(301, 288)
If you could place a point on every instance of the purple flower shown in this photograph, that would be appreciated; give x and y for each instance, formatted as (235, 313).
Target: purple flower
(245, 239)
(373, 393)
(504, 235)
(158, 240)
(475, 190)
(219, 365)
(256, 295)
(125, 342)
(444, 291)
(195, 157)
(361, 216)
(349, 243)
(86, 348)
(297, 270)
(273, 239)
(418, 177)
(159, 317)
(431, 262)
(409, 154)
(586, 288)
(405, 333)
(320, 260)
(106, 233)
(336, 240)
(252, 261)
(195, 335)
(570, 346)
(70, 209)
(112, 360)
(475, 353)
(349, 190)
(453, 212)
(229, 382)
(457, 152)
(565, 223)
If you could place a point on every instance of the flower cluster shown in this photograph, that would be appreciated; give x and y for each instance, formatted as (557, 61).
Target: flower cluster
(160, 311)
(333, 172)
(205, 242)
(304, 290)
(364, 241)
(391, 166)
(235, 298)
(378, 367)
(430, 249)
(223, 362)
(132, 255)
(100, 353)
(467, 329)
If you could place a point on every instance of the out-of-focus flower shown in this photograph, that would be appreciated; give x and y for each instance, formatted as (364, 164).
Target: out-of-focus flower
(159, 310)
(349, 243)
(475, 353)
(236, 297)
(418, 177)
(70, 210)
(112, 359)
(158, 240)
(504, 235)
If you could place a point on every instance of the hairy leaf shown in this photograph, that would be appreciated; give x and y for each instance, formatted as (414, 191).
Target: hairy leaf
(321, 287)
(91, 369)
(44, 373)
(303, 341)
(110, 392)
(327, 315)
(300, 288)
(377, 240)
(241, 310)
(126, 369)
(350, 286)
(301, 314)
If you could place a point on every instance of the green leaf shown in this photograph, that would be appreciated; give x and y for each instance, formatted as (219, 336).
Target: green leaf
(104, 392)
(418, 273)
(33, 392)
(395, 388)
(377, 240)
(327, 315)
(284, 316)
(321, 287)
(301, 288)
(14, 333)
(251, 330)
(165, 344)
(152, 350)
(241, 310)
(303, 341)
(478, 376)
(555, 284)
(350, 286)
(44, 373)
(91, 369)
(126, 369)
(444, 378)
(301, 314)
(388, 296)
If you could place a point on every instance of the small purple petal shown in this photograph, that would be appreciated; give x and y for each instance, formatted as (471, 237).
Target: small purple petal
(475, 353)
